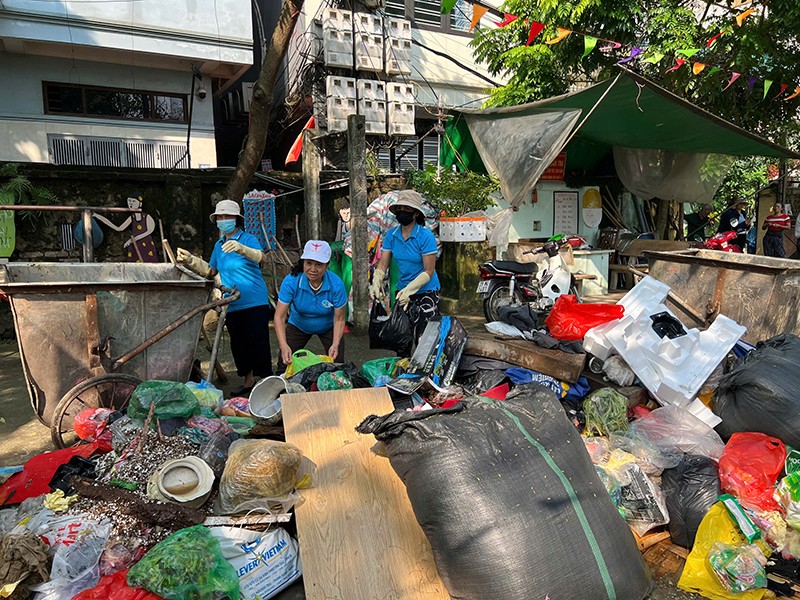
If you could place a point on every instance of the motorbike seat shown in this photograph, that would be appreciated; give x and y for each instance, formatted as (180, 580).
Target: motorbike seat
(514, 267)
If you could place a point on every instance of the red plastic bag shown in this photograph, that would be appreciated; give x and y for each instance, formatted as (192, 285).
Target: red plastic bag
(750, 466)
(115, 587)
(570, 320)
(91, 423)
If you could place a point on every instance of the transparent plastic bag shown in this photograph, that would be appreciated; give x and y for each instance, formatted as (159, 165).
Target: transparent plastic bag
(333, 381)
(172, 399)
(738, 568)
(206, 394)
(598, 448)
(676, 430)
(618, 371)
(380, 367)
(188, 565)
(652, 459)
(642, 503)
(606, 412)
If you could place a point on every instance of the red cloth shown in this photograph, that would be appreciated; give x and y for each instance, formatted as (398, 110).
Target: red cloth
(34, 479)
(115, 587)
(297, 147)
(498, 392)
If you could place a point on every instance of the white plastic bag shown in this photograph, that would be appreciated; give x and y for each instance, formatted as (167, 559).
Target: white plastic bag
(500, 328)
(674, 429)
(618, 371)
(266, 563)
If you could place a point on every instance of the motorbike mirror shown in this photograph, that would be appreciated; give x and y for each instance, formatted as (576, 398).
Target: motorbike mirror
(734, 222)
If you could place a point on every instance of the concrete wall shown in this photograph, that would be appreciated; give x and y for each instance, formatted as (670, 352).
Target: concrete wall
(26, 126)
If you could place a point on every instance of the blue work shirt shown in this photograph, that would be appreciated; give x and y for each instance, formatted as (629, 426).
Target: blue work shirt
(408, 255)
(236, 270)
(312, 312)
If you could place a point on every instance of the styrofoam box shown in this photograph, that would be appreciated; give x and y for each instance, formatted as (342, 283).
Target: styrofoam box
(341, 101)
(462, 229)
(337, 38)
(372, 104)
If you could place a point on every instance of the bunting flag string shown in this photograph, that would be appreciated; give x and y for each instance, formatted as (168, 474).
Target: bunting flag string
(478, 11)
(653, 57)
(536, 29)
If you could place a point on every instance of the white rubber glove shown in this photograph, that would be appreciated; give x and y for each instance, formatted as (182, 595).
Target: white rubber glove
(193, 263)
(253, 254)
(412, 288)
(376, 289)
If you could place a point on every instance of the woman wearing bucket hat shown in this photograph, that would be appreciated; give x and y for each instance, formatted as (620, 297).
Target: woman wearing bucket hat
(414, 250)
(236, 257)
(311, 302)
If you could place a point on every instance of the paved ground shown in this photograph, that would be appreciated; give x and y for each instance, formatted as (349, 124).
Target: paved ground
(22, 435)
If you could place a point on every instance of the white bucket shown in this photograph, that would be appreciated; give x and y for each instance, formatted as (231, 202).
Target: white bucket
(265, 403)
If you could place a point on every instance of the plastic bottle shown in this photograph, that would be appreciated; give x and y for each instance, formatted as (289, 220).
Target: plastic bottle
(215, 452)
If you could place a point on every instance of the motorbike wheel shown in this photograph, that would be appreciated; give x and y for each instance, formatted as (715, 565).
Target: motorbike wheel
(499, 296)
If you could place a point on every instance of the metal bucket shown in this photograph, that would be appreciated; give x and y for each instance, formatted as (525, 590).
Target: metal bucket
(73, 319)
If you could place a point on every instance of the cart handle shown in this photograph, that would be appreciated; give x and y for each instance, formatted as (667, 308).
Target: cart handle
(232, 297)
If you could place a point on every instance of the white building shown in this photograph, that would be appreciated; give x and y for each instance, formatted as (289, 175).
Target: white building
(110, 82)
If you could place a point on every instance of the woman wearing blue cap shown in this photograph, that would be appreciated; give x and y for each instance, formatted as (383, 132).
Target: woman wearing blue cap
(311, 302)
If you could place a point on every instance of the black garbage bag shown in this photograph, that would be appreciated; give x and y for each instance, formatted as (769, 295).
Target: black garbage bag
(390, 332)
(691, 489)
(510, 501)
(761, 394)
(308, 376)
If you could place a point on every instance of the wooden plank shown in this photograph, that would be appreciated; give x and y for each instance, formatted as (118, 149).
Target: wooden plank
(357, 532)
(636, 248)
(561, 365)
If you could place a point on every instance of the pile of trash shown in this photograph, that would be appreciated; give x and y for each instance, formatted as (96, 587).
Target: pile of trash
(146, 506)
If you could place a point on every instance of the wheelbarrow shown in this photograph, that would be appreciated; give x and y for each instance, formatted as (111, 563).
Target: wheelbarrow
(89, 333)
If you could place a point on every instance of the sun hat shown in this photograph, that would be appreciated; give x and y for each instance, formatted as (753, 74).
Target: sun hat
(226, 207)
(185, 481)
(317, 250)
(408, 198)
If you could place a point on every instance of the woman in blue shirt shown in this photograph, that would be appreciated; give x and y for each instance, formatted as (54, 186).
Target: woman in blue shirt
(237, 257)
(311, 302)
(414, 250)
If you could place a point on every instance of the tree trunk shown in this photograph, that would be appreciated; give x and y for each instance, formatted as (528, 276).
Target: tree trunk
(261, 104)
(662, 219)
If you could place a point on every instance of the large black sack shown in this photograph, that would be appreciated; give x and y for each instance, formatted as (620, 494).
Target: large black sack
(510, 502)
(391, 332)
(761, 394)
(691, 489)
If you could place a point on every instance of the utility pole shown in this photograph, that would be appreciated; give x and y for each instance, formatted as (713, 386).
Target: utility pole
(357, 165)
(311, 167)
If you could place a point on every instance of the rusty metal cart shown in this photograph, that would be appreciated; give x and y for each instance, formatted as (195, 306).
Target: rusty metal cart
(89, 333)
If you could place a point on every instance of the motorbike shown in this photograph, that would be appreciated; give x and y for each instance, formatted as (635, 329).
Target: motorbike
(507, 283)
(725, 241)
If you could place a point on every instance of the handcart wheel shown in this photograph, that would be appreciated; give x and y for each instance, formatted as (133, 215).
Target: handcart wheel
(107, 391)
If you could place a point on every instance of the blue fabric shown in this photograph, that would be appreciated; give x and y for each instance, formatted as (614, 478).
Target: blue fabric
(408, 255)
(562, 389)
(311, 312)
(236, 270)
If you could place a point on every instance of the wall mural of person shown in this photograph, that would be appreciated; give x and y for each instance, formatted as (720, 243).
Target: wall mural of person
(140, 245)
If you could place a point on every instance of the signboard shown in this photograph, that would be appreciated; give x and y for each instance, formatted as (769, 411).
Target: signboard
(556, 170)
(8, 236)
(565, 213)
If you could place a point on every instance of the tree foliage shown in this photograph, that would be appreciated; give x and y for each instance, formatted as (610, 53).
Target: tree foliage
(454, 192)
(765, 46)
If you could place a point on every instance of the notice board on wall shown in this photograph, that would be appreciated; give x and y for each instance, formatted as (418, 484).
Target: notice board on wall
(565, 213)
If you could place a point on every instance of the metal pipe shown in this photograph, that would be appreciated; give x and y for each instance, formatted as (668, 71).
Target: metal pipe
(88, 240)
(172, 327)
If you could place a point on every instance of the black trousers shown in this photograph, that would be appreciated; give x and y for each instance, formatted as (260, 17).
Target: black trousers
(297, 340)
(773, 245)
(249, 331)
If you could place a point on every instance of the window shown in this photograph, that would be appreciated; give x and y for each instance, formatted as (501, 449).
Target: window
(426, 14)
(115, 152)
(111, 103)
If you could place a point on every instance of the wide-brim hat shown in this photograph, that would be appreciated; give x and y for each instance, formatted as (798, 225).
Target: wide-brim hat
(408, 198)
(226, 207)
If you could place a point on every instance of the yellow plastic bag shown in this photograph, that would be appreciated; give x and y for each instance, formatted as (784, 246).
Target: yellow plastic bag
(290, 372)
(698, 576)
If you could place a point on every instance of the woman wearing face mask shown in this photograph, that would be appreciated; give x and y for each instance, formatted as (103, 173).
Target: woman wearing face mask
(311, 302)
(236, 257)
(414, 250)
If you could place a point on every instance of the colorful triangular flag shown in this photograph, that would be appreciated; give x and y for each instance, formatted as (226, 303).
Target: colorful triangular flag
(679, 63)
(536, 29)
(784, 86)
(688, 52)
(507, 20)
(742, 16)
(447, 6)
(589, 43)
(654, 59)
(698, 67)
(611, 46)
(634, 53)
(793, 96)
(734, 77)
(713, 70)
(714, 39)
(477, 14)
(767, 85)
(751, 82)
(560, 35)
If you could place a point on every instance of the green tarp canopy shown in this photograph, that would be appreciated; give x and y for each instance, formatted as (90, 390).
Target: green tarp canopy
(635, 113)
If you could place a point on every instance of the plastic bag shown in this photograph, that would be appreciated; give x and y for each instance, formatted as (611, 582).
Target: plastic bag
(738, 568)
(691, 489)
(215, 452)
(606, 412)
(503, 329)
(372, 369)
(209, 426)
(235, 407)
(390, 332)
(266, 562)
(697, 576)
(788, 493)
(598, 448)
(612, 485)
(188, 565)
(172, 399)
(675, 430)
(642, 502)
(749, 468)
(618, 371)
(115, 587)
(257, 473)
(302, 359)
(332, 381)
(91, 423)
(570, 320)
(652, 459)
(206, 394)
